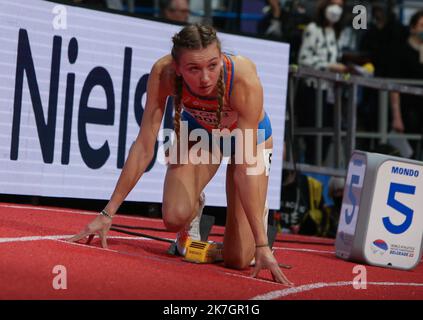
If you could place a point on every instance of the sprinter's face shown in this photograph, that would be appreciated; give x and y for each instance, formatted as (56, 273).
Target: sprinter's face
(200, 69)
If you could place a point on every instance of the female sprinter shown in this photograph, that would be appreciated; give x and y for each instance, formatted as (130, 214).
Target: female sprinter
(211, 90)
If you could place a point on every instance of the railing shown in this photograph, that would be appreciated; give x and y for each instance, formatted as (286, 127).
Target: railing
(350, 83)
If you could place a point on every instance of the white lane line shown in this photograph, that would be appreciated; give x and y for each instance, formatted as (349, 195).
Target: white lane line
(33, 238)
(313, 286)
(90, 213)
(251, 278)
(125, 253)
(62, 237)
(305, 250)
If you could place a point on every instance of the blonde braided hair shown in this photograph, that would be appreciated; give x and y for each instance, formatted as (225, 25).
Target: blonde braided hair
(177, 105)
(220, 98)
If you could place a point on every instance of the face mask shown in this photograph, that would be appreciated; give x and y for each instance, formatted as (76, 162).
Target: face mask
(333, 13)
(420, 35)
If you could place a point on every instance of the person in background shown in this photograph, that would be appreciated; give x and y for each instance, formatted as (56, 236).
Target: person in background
(175, 10)
(285, 22)
(407, 109)
(294, 21)
(319, 50)
(302, 208)
(384, 35)
(271, 24)
(336, 192)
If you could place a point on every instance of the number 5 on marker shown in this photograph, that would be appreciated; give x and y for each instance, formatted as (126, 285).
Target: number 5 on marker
(355, 180)
(400, 207)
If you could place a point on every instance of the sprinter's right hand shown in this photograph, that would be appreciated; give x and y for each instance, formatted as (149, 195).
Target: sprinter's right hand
(100, 225)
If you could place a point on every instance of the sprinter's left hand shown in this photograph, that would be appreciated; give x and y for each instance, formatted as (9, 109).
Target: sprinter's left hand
(265, 260)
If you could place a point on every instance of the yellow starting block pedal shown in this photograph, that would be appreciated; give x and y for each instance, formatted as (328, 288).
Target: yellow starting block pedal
(203, 252)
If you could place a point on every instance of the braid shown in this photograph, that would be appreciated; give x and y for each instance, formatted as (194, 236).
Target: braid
(177, 105)
(220, 98)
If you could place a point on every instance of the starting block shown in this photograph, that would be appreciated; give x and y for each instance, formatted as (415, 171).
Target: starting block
(204, 252)
(206, 224)
(208, 251)
(381, 218)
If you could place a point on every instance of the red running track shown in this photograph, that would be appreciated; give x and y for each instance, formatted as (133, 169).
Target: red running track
(31, 245)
